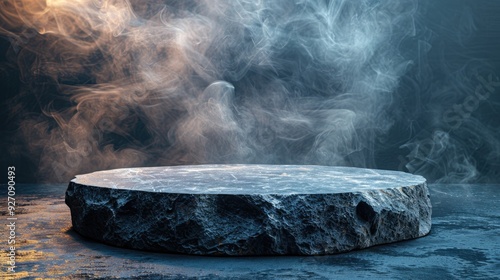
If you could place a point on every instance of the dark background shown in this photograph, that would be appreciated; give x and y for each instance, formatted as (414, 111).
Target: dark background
(406, 146)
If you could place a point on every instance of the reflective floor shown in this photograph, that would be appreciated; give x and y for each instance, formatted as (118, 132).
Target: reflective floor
(464, 244)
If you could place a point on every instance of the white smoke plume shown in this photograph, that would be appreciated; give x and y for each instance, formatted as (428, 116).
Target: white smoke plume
(133, 83)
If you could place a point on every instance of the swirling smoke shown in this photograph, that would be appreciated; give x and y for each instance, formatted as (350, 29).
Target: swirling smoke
(116, 83)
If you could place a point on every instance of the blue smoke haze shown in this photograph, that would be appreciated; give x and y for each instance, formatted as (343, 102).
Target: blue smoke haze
(399, 84)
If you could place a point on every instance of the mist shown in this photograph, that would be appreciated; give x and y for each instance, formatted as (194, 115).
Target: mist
(377, 84)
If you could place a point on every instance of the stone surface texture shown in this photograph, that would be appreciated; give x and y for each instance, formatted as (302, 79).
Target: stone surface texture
(249, 209)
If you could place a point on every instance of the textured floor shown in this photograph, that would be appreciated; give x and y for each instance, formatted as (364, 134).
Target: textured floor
(463, 244)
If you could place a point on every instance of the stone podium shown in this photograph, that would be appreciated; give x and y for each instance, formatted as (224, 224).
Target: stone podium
(247, 209)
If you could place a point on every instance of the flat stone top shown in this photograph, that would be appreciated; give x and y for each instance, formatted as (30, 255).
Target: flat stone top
(248, 179)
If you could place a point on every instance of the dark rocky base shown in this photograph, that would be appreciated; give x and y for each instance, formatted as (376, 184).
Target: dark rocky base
(217, 217)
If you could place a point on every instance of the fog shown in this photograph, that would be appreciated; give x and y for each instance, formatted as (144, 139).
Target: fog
(394, 84)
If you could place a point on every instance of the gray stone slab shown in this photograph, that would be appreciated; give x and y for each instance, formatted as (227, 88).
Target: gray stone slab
(249, 209)
(461, 245)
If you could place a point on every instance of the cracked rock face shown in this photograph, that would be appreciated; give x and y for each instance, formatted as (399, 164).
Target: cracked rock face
(249, 209)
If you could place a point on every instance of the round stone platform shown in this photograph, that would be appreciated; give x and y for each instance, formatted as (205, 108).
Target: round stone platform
(249, 209)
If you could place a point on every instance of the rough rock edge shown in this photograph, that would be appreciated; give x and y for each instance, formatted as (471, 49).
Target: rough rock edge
(295, 224)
